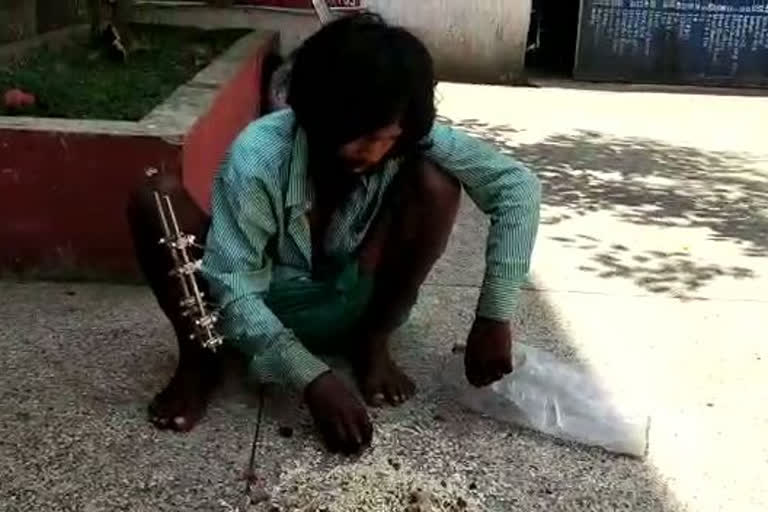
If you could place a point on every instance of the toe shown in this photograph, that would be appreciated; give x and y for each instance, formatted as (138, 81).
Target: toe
(375, 398)
(409, 389)
(394, 396)
(156, 416)
(403, 388)
(378, 399)
(160, 422)
(180, 424)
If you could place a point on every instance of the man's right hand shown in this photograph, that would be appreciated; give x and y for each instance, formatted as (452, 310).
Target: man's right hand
(340, 417)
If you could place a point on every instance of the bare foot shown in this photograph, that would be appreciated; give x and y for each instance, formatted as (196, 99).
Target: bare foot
(380, 379)
(182, 403)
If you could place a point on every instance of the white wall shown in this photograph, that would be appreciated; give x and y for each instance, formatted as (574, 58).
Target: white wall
(476, 40)
(471, 40)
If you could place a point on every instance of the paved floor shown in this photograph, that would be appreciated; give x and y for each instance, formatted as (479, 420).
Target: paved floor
(650, 268)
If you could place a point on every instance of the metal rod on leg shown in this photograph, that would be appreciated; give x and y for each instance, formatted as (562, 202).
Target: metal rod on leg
(205, 321)
(185, 267)
(185, 259)
(168, 240)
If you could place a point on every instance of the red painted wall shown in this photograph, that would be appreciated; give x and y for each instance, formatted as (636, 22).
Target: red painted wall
(62, 198)
(237, 103)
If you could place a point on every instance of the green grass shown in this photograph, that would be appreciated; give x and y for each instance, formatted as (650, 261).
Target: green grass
(81, 82)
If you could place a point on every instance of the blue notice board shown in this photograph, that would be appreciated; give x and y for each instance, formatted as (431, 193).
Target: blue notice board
(718, 42)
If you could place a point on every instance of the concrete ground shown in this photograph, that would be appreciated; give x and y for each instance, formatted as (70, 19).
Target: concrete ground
(650, 268)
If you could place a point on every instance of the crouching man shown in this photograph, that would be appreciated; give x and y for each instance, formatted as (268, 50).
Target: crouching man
(326, 218)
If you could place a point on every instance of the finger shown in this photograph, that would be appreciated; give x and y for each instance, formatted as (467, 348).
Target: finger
(330, 437)
(481, 373)
(355, 434)
(359, 429)
(473, 377)
(496, 373)
(471, 371)
(344, 439)
(349, 446)
(486, 382)
(377, 399)
(480, 382)
(367, 431)
(392, 393)
(407, 390)
(485, 374)
(331, 443)
(485, 378)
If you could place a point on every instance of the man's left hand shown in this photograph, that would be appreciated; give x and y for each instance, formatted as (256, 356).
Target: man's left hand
(488, 357)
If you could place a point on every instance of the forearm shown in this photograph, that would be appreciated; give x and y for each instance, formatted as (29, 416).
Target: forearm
(511, 241)
(239, 274)
(510, 194)
(274, 353)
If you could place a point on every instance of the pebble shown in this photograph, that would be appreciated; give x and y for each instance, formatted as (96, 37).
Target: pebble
(420, 501)
(258, 495)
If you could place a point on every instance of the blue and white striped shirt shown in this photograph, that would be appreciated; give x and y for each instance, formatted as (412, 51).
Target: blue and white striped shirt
(260, 231)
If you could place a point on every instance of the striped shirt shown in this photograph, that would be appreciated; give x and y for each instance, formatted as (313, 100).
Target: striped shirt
(260, 232)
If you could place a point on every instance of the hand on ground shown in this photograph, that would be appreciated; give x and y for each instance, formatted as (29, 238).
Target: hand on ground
(339, 415)
(488, 357)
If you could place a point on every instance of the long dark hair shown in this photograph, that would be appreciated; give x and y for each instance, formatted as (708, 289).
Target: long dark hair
(359, 74)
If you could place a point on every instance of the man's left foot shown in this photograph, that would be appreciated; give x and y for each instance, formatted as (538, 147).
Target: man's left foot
(380, 379)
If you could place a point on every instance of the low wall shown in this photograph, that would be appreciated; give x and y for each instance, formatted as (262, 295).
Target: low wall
(64, 196)
(475, 41)
(65, 183)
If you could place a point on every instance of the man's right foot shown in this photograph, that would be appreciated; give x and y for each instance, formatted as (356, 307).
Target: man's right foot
(380, 379)
(181, 405)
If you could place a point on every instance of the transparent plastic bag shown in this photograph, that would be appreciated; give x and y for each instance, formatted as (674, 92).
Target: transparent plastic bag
(557, 398)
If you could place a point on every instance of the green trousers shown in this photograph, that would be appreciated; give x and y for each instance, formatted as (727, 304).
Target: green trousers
(322, 313)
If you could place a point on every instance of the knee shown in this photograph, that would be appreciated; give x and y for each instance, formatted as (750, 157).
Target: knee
(431, 209)
(438, 192)
(141, 202)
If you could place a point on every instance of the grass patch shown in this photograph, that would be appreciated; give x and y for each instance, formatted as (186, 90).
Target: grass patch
(78, 81)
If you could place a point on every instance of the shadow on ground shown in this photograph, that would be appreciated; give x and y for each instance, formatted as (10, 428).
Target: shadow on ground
(645, 182)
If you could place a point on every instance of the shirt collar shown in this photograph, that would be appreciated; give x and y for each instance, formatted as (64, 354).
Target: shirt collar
(300, 193)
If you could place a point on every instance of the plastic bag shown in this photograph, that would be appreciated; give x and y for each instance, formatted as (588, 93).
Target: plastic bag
(554, 397)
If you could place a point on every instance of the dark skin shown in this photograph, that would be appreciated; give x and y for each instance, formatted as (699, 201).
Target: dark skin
(342, 419)
(340, 416)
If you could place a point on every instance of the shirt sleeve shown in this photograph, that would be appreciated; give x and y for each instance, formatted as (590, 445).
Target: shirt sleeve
(239, 272)
(510, 194)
